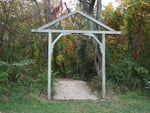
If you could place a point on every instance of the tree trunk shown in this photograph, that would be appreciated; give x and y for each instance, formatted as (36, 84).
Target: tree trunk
(88, 7)
(48, 17)
(47, 10)
(39, 11)
(97, 55)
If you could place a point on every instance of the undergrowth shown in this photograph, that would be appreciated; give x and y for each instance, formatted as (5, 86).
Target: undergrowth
(21, 79)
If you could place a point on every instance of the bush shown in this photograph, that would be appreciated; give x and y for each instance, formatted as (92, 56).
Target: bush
(22, 78)
(126, 74)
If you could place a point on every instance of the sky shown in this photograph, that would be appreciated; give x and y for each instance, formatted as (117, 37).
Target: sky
(72, 3)
(115, 3)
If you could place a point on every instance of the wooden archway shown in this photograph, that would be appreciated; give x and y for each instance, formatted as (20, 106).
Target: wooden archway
(90, 33)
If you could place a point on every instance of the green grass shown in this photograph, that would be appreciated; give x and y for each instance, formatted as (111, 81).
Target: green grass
(133, 102)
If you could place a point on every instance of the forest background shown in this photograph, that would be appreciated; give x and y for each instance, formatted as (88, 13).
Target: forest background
(23, 54)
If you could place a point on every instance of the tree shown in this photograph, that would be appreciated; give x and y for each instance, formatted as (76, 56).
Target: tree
(137, 29)
(88, 7)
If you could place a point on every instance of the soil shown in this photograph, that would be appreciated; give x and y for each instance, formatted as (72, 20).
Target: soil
(69, 89)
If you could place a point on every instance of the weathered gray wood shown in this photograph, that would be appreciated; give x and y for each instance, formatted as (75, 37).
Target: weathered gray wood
(85, 32)
(72, 13)
(58, 37)
(103, 68)
(49, 63)
(76, 31)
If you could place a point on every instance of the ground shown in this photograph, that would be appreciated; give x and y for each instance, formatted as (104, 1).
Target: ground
(69, 89)
(131, 102)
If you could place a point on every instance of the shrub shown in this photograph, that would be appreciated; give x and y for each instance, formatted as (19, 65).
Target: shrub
(23, 78)
(126, 73)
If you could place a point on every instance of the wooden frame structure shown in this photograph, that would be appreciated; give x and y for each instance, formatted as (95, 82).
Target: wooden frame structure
(90, 33)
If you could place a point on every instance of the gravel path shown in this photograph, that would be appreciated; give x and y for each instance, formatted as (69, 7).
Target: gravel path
(68, 89)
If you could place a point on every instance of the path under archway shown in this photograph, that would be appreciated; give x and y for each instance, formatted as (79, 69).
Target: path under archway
(70, 89)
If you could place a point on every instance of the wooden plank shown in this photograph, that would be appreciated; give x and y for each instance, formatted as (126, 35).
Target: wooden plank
(76, 31)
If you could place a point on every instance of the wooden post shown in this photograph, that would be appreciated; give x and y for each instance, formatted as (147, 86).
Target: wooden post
(49, 64)
(103, 67)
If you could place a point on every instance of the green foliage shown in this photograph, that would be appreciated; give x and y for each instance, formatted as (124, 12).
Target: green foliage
(127, 55)
(22, 78)
(73, 55)
(17, 43)
(127, 74)
(137, 29)
(54, 75)
(68, 58)
(4, 83)
(112, 17)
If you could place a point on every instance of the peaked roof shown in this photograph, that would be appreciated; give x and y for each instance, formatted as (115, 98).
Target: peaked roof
(43, 28)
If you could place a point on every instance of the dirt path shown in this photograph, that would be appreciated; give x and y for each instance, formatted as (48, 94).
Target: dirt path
(68, 89)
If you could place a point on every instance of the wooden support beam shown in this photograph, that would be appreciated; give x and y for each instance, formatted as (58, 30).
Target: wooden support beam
(103, 68)
(50, 50)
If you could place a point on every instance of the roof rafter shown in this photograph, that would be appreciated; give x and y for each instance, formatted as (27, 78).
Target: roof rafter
(72, 13)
